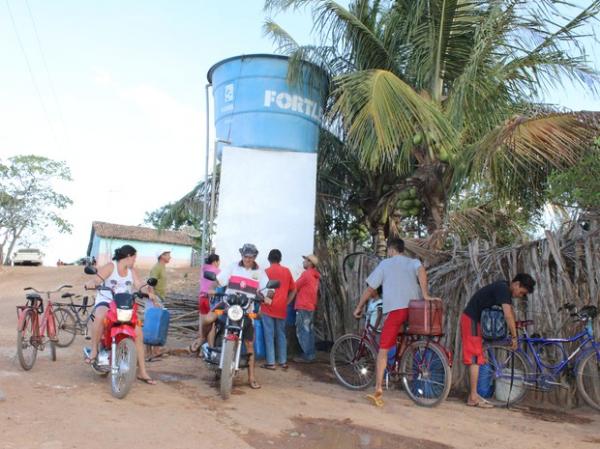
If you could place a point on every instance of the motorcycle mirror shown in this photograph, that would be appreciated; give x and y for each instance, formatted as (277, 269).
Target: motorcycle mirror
(273, 284)
(152, 282)
(90, 270)
(210, 276)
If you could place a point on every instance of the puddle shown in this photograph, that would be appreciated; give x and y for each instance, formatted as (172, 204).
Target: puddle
(312, 433)
(550, 415)
(167, 377)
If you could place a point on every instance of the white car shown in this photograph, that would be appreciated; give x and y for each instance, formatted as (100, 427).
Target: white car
(27, 256)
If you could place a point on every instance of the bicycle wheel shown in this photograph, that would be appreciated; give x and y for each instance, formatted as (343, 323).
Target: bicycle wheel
(506, 364)
(426, 374)
(26, 349)
(66, 327)
(353, 362)
(588, 379)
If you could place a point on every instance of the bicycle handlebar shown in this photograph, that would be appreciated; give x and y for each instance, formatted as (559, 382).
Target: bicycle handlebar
(49, 292)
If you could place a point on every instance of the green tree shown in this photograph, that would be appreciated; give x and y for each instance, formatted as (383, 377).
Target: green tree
(446, 96)
(579, 186)
(28, 199)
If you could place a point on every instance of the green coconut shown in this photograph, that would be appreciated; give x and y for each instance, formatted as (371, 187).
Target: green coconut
(418, 139)
(414, 211)
(412, 192)
(407, 204)
(404, 195)
(443, 155)
(417, 202)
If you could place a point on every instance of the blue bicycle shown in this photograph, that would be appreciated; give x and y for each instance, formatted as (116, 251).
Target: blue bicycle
(542, 363)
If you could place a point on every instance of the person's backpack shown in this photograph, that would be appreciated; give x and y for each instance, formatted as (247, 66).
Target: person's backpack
(493, 324)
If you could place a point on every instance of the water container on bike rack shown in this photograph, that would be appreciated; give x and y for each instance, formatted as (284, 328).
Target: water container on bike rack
(259, 340)
(425, 317)
(156, 326)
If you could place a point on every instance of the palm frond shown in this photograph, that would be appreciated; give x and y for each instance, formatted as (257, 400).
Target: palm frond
(380, 112)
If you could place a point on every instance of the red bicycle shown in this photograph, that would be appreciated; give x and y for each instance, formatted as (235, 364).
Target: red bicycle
(32, 332)
(421, 363)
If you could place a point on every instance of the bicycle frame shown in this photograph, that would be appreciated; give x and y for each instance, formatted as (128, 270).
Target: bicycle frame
(47, 327)
(368, 336)
(584, 347)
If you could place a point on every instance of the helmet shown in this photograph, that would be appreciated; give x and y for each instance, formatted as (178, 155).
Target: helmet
(248, 250)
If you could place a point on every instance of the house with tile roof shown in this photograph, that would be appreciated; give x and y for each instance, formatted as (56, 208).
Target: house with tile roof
(106, 237)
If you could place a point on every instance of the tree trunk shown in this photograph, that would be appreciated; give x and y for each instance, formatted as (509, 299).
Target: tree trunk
(380, 241)
(11, 246)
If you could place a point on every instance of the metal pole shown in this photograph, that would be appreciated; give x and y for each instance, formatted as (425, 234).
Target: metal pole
(213, 190)
(205, 200)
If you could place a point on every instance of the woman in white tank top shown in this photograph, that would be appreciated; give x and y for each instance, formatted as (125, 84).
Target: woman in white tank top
(121, 277)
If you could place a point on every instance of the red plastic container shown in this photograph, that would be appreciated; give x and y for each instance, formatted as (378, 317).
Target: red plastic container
(425, 317)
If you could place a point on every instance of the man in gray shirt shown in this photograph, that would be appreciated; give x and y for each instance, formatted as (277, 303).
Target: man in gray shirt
(402, 279)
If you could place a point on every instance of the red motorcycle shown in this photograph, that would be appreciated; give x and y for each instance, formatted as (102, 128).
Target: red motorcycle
(117, 353)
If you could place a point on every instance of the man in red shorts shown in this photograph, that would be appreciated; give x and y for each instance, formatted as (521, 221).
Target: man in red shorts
(402, 279)
(496, 294)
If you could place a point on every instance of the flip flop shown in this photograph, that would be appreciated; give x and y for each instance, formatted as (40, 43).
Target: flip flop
(480, 404)
(376, 399)
(254, 385)
(284, 366)
(267, 366)
(147, 380)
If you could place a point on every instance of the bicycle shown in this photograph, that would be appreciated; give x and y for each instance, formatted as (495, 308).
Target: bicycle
(540, 363)
(71, 319)
(421, 363)
(32, 334)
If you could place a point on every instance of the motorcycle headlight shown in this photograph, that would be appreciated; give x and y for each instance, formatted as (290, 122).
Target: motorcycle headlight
(124, 315)
(235, 313)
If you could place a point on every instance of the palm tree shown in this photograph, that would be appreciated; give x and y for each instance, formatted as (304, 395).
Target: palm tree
(446, 95)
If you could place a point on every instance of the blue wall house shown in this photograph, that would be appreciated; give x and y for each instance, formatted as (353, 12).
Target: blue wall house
(106, 237)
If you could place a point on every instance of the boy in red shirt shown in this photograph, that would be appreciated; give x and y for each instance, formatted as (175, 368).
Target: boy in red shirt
(307, 288)
(274, 314)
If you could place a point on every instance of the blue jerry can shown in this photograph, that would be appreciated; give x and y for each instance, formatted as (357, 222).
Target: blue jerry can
(156, 326)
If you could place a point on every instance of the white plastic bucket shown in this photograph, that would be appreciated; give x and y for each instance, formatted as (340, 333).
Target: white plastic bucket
(502, 388)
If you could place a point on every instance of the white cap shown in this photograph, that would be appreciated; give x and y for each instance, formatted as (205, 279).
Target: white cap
(161, 251)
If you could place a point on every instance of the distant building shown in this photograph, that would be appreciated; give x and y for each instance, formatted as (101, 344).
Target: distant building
(106, 237)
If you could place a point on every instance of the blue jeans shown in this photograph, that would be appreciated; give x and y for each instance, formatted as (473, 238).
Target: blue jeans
(274, 330)
(305, 333)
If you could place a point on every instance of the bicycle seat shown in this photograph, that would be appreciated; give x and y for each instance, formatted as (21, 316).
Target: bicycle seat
(67, 295)
(523, 324)
(33, 297)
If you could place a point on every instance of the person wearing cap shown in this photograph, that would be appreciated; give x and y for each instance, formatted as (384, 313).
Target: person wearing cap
(159, 272)
(307, 289)
(498, 293)
(243, 277)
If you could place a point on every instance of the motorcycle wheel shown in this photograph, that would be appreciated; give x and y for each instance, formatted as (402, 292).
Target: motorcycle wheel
(228, 368)
(126, 360)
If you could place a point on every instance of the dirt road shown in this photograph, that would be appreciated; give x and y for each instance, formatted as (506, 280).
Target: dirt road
(62, 404)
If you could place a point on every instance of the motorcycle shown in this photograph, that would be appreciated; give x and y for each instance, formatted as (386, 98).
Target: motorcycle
(117, 353)
(226, 356)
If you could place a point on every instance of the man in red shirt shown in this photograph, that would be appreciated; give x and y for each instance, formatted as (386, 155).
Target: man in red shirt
(307, 288)
(274, 314)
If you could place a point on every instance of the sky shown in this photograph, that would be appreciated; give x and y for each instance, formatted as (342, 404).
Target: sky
(122, 100)
(116, 89)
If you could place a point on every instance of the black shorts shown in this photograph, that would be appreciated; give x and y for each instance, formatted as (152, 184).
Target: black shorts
(247, 329)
